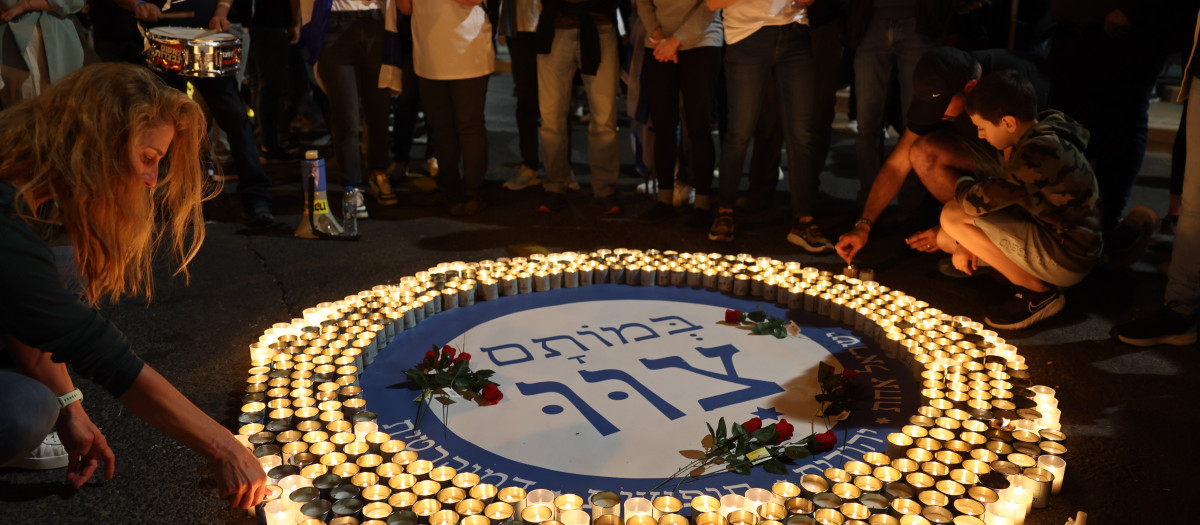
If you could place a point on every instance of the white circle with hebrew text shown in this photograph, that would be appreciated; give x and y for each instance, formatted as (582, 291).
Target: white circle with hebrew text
(593, 387)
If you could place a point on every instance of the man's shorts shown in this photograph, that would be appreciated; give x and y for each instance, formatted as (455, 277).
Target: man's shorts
(1032, 246)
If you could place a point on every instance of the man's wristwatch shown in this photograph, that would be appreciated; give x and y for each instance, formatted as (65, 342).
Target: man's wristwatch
(863, 221)
(69, 397)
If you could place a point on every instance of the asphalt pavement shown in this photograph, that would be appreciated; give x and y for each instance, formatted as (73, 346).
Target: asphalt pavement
(1131, 456)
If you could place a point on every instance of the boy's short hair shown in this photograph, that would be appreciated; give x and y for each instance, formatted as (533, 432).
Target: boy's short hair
(1002, 93)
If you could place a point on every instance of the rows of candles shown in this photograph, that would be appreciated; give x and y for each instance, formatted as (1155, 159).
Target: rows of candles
(984, 448)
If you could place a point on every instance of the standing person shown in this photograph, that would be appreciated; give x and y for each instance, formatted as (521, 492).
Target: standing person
(48, 46)
(272, 34)
(762, 36)
(683, 52)
(345, 41)
(221, 94)
(579, 35)
(453, 57)
(1175, 322)
(517, 24)
(99, 156)
(889, 37)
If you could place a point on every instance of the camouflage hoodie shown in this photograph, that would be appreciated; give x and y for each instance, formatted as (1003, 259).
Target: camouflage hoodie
(1048, 176)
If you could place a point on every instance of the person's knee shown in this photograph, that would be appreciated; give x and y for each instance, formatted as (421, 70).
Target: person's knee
(28, 411)
(952, 217)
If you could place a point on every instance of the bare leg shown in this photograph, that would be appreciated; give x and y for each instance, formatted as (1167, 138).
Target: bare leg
(961, 228)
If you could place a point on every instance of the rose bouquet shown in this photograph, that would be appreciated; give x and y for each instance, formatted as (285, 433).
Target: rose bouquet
(449, 368)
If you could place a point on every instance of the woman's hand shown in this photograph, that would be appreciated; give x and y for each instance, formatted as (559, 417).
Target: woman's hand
(86, 446)
(240, 477)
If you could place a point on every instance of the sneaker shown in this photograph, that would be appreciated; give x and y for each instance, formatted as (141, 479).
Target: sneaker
(552, 202)
(381, 189)
(526, 177)
(572, 182)
(684, 194)
(650, 187)
(808, 235)
(722, 227)
(1127, 243)
(467, 207)
(1025, 308)
(1164, 327)
(49, 455)
(259, 216)
(658, 212)
(608, 204)
(360, 204)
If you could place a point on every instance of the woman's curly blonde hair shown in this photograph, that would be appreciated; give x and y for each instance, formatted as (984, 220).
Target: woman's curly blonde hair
(70, 153)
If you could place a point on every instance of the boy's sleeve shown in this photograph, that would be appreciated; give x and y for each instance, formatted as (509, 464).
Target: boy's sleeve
(1022, 176)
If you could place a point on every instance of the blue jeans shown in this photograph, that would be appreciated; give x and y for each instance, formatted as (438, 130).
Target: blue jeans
(554, 72)
(891, 45)
(787, 50)
(349, 70)
(28, 411)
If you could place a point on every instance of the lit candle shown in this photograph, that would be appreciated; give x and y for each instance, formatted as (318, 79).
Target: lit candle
(1055, 465)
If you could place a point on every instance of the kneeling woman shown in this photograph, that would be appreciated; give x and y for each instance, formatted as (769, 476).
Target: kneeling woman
(101, 157)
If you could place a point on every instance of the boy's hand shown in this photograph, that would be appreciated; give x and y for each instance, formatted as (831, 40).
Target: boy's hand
(965, 261)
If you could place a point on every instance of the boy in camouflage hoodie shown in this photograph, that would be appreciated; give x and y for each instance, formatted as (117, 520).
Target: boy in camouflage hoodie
(1037, 221)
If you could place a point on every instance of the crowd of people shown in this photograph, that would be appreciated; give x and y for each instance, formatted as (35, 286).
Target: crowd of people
(1024, 157)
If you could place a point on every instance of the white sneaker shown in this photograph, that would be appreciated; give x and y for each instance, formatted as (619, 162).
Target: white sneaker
(684, 194)
(49, 455)
(572, 182)
(649, 187)
(525, 178)
(381, 189)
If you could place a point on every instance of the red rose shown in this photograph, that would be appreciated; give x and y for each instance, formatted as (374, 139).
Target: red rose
(733, 316)
(492, 395)
(783, 431)
(849, 375)
(825, 441)
(752, 425)
(449, 351)
(462, 357)
(430, 356)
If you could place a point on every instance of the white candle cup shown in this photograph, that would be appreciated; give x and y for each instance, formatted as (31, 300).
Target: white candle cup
(1056, 466)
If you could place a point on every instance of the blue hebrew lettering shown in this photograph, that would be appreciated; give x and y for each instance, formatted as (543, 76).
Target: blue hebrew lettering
(550, 352)
(500, 361)
(602, 425)
(755, 388)
(594, 334)
(667, 409)
(652, 334)
(690, 325)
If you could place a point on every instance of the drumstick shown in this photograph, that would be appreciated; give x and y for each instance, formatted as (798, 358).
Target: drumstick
(177, 14)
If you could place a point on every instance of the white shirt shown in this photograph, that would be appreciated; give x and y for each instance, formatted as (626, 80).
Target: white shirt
(451, 41)
(747, 16)
(356, 5)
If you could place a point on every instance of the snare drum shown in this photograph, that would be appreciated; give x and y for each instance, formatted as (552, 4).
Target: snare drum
(184, 51)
